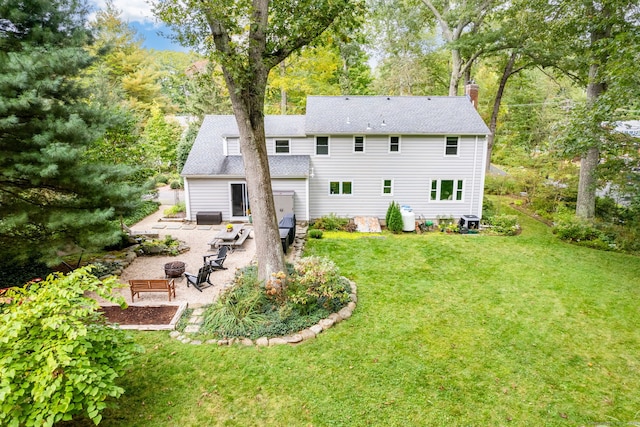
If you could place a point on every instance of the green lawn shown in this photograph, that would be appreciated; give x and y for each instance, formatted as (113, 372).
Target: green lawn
(450, 330)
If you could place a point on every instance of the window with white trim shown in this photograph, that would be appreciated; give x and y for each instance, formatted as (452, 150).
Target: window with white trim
(447, 189)
(451, 146)
(358, 144)
(387, 187)
(340, 187)
(282, 146)
(394, 144)
(322, 145)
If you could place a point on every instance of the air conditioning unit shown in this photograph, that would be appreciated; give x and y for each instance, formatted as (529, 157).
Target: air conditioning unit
(470, 222)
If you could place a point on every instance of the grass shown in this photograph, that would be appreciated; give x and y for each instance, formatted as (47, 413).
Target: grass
(450, 330)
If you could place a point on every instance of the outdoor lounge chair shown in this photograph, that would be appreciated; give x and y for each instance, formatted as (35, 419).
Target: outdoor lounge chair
(216, 261)
(201, 280)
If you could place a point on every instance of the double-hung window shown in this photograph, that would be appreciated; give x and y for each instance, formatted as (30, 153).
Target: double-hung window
(358, 144)
(447, 189)
(387, 187)
(282, 146)
(394, 144)
(340, 187)
(322, 145)
(451, 146)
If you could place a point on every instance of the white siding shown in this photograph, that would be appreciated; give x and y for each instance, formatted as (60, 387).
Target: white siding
(420, 160)
(209, 194)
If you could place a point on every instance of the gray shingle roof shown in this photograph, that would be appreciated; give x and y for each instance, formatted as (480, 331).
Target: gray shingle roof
(406, 115)
(334, 115)
(207, 157)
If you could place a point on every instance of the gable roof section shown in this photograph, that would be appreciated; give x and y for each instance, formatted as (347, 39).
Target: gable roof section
(402, 115)
(207, 154)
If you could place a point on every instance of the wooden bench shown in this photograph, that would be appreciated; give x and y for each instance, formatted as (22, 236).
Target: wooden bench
(153, 285)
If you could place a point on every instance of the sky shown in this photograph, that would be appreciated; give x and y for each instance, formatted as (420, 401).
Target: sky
(137, 13)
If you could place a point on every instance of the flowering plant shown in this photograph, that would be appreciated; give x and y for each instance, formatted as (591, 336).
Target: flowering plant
(229, 227)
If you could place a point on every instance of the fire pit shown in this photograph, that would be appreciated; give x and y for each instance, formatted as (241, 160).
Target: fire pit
(174, 269)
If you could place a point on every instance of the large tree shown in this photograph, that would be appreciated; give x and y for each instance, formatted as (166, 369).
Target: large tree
(50, 195)
(602, 42)
(248, 39)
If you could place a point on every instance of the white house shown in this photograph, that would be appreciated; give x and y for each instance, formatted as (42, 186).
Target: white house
(351, 156)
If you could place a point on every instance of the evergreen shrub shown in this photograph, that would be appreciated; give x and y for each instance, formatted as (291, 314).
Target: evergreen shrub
(394, 218)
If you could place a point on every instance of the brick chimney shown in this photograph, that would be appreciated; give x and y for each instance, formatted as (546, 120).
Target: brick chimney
(471, 90)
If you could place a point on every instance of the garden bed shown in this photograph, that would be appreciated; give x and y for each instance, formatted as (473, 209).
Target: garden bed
(159, 317)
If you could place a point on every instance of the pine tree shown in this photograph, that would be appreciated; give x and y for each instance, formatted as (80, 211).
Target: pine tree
(51, 195)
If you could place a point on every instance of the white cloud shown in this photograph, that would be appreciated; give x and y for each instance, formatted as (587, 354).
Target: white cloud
(132, 10)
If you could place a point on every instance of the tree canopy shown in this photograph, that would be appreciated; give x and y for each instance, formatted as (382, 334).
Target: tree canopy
(51, 194)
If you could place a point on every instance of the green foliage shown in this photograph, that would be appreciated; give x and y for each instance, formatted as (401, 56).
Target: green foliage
(160, 138)
(58, 356)
(330, 222)
(393, 218)
(16, 274)
(166, 246)
(500, 185)
(506, 225)
(317, 283)
(175, 209)
(52, 194)
(144, 210)
(186, 142)
(312, 290)
(573, 229)
(175, 184)
(314, 233)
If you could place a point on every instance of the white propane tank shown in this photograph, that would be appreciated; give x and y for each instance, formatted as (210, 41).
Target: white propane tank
(408, 219)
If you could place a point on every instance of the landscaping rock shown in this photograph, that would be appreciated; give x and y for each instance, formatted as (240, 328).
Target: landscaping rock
(174, 334)
(276, 341)
(293, 339)
(352, 306)
(246, 342)
(211, 342)
(196, 342)
(326, 323)
(307, 334)
(262, 342)
(345, 313)
(223, 342)
(335, 317)
(354, 298)
(316, 329)
(192, 329)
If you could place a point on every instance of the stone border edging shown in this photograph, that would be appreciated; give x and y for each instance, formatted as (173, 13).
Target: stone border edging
(304, 335)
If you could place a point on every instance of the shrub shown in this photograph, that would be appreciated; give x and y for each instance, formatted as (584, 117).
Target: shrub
(500, 184)
(311, 291)
(394, 221)
(315, 233)
(574, 229)
(175, 210)
(330, 222)
(318, 283)
(162, 179)
(146, 208)
(175, 184)
(58, 356)
(504, 224)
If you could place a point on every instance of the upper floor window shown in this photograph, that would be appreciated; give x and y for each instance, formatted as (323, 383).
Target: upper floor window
(451, 146)
(358, 144)
(282, 146)
(340, 187)
(447, 189)
(394, 144)
(322, 145)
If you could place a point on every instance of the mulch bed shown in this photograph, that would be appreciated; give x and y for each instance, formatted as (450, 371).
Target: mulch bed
(135, 315)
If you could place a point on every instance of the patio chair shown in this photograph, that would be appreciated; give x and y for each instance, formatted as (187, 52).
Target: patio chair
(216, 261)
(201, 280)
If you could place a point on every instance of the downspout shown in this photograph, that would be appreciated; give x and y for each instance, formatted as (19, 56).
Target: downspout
(187, 198)
(473, 180)
(482, 175)
(307, 196)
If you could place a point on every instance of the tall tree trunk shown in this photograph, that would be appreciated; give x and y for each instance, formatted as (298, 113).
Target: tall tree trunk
(456, 66)
(493, 124)
(586, 203)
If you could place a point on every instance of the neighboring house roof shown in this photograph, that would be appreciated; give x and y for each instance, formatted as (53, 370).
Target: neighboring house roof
(406, 115)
